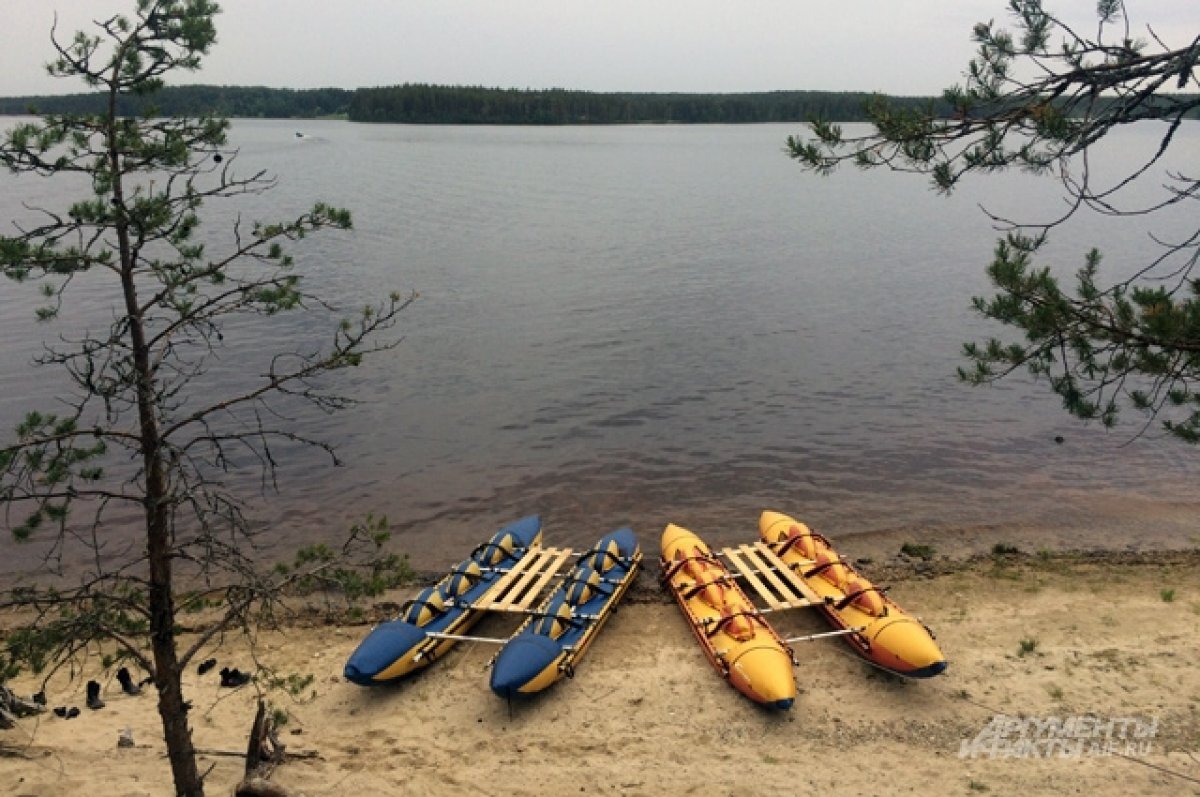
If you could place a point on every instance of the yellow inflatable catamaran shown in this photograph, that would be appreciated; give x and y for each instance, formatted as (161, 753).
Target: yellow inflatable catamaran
(882, 632)
(736, 639)
(790, 568)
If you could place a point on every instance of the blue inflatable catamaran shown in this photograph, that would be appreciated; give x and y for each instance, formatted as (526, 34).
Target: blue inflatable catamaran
(507, 574)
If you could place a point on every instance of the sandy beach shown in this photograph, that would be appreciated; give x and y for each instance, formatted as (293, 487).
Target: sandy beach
(1103, 642)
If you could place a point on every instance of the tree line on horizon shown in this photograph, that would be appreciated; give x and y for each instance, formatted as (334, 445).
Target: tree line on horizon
(415, 103)
(422, 103)
(256, 102)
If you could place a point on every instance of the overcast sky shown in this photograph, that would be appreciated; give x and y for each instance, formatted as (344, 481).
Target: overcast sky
(893, 46)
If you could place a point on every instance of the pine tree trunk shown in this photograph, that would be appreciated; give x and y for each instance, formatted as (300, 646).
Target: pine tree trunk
(161, 601)
(167, 671)
(176, 732)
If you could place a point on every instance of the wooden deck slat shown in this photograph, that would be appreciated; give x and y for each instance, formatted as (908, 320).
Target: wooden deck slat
(751, 579)
(518, 589)
(786, 590)
(516, 571)
(550, 572)
(529, 572)
(789, 575)
(789, 597)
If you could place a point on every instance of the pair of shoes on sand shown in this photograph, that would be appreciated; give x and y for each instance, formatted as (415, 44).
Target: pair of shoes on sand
(95, 702)
(230, 677)
(234, 677)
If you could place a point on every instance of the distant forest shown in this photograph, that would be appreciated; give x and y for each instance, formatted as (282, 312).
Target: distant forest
(426, 104)
(416, 103)
(240, 101)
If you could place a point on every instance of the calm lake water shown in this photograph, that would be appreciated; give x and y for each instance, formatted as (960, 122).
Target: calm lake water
(636, 325)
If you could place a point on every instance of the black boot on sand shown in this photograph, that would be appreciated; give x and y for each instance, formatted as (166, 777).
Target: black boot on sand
(127, 684)
(93, 696)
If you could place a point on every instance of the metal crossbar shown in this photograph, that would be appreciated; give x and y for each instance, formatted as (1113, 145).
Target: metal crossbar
(770, 577)
(826, 634)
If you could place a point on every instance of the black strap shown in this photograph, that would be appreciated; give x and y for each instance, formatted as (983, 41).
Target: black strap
(595, 587)
(823, 567)
(699, 585)
(789, 543)
(408, 604)
(486, 547)
(786, 545)
(849, 599)
(616, 560)
(472, 580)
(725, 620)
(574, 622)
(678, 563)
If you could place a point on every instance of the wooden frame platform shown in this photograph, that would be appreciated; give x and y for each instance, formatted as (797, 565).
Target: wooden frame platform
(519, 588)
(770, 577)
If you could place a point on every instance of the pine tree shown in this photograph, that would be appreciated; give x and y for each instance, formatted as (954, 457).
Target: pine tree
(1038, 98)
(136, 432)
